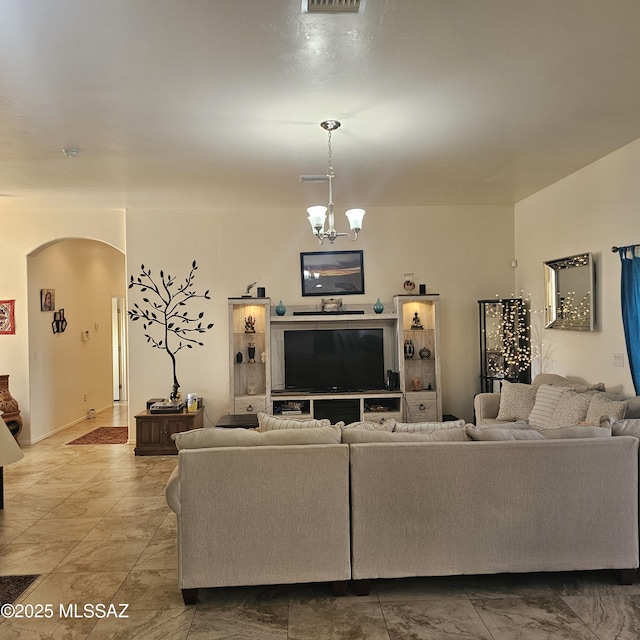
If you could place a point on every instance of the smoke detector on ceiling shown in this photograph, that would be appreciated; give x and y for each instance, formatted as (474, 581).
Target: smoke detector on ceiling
(332, 6)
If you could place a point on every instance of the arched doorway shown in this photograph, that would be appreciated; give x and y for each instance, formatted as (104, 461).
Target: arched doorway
(70, 346)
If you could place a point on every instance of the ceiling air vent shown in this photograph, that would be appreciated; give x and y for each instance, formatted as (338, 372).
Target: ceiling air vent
(332, 6)
(313, 179)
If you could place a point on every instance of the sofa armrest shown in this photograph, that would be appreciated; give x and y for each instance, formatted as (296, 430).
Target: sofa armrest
(486, 407)
(172, 491)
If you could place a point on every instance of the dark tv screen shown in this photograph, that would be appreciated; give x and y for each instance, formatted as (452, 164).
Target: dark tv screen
(334, 360)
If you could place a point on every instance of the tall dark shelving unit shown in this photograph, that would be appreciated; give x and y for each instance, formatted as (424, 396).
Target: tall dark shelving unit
(505, 348)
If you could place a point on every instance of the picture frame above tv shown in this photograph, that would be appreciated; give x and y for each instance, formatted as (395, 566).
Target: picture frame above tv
(325, 273)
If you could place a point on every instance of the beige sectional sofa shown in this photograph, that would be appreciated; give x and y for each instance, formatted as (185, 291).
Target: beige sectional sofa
(518, 401)
(324, 505)
(453, 508)
(251, 512)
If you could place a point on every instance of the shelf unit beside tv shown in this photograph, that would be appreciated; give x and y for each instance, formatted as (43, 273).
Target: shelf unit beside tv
(249, 382)
(416, 372)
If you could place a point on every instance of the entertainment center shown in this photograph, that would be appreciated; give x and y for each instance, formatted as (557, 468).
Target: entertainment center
(351, 366)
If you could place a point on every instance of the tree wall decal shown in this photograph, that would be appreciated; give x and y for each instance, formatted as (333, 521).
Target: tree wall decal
(166, 321)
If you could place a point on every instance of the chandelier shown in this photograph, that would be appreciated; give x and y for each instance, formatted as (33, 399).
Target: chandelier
(318, 214)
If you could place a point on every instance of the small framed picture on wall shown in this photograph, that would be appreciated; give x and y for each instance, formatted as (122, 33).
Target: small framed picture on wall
(47, 299)
(7, 317)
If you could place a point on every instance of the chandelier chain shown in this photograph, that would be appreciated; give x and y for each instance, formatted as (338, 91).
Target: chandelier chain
(330, 173)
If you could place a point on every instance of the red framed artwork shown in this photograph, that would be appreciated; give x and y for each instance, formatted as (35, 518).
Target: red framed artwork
(7, 317)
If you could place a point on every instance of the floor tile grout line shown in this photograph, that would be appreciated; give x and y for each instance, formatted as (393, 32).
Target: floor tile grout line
(584, 622)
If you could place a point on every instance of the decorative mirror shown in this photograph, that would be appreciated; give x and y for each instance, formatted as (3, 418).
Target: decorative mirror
(569, 293)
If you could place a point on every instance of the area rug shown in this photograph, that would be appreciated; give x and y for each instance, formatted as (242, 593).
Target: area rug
(12, 587)
(104, 435)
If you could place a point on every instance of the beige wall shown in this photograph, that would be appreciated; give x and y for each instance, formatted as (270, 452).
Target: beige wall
(591, 210)
(67, 374)
(464, 253)
(24, 232)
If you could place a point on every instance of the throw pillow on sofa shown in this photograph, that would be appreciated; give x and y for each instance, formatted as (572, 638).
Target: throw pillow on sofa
(385, 425)
(570, 410)
(223, 437)
(520, 424)
(516, 401)
(602, 407)
(426, 427)
(547, 399)
(270, 423)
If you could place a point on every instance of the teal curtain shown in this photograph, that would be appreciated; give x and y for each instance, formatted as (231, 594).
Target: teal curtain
(630, 298)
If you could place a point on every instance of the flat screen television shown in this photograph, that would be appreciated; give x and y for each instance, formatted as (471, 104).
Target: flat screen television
(319, 360)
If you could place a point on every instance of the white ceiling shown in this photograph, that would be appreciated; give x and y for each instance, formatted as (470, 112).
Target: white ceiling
(217, 103)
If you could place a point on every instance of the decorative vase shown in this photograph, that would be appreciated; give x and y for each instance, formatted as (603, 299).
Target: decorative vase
(409, 349)
(416, 384)
(251, 350)
(9, 407)
(378, 307)
(424, 353)
(281, 309)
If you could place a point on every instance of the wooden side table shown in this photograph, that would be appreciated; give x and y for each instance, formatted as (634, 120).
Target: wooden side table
(242, 420)
(154, 430)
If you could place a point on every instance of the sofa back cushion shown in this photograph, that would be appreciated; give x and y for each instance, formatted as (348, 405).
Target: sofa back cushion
(580, 431)
(627, 427)
(497, 433)
(552, 379)
(359, 436)
(422, 427)
(223, 437)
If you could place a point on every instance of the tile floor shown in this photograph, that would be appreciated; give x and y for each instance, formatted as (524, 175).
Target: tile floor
(94, 522)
